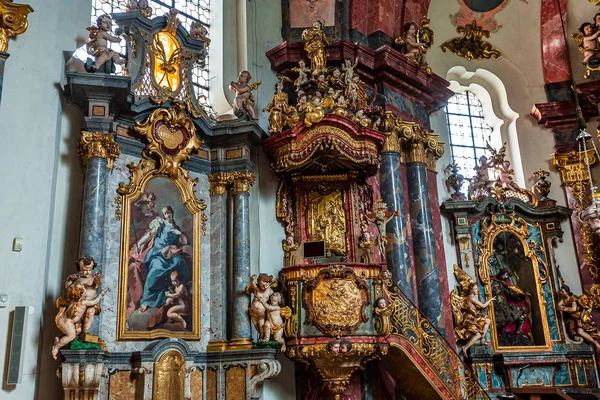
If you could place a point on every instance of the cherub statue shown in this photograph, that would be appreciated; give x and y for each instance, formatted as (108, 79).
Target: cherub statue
(345, 346)
(303, 73)
(243, 94)
(380, 217)
(341, 105)
(178, 299)
(348, 69)
(322, 84)
(139, 5)
(361, 118)
(412, 47)
(274, 321)
(329, 101)
(588, 41)
(470, 322)
(289, 247)
(97, 46)
(337, 79)
(316, 46)
(578, 310)
(90, 281)
(313, 112)
(334, 346)
(262, 289)
(366, 242)
(198, 31)
(77, 310)
(505, 176)
(383, 312)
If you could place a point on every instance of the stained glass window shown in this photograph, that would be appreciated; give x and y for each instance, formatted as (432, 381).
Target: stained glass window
(189, 11)
(468, 131)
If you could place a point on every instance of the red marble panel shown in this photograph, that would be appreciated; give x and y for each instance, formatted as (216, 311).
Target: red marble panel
(358, 15)
(382, 16)
(302, 16)
(441, 255)
(414, 11)
(555, 61)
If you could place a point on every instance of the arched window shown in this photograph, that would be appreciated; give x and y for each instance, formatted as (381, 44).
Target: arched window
(189, 11)
(468, 131)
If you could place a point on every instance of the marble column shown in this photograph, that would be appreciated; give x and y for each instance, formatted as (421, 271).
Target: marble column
(241, 335)
(98, 152)
(398, 251)
(219, 183)
(429, 291)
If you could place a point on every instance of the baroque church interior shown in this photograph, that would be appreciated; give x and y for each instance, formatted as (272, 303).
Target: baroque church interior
(300, 199)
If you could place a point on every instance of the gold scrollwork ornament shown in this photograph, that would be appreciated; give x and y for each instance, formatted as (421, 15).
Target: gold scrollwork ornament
(98, 145)
(13, 21)
(470, 45)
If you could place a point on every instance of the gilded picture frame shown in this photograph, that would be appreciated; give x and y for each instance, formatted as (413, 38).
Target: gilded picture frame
(159, 276)
(492, 227)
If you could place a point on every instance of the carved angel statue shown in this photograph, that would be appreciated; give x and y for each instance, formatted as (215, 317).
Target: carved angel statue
(139, 5)
(243, 94)
(578, 312)
(316, 46)
(415, 42)
(273, 325)
(471, 324)
(97, 46)
(587, 40)
(262, 289)
(77, 310)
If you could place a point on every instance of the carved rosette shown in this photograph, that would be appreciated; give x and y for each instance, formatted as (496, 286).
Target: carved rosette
(336, 301)
(98, 145)
(13, 21)
(471, 45)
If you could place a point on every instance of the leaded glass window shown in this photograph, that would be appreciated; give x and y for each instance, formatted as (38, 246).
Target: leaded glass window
(189, 11)
(468, 131)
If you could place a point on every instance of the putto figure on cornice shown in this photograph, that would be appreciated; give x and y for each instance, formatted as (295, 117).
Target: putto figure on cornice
(321, 90)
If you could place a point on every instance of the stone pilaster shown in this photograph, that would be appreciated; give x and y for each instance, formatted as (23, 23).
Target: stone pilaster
(241, 335)
(219, 187)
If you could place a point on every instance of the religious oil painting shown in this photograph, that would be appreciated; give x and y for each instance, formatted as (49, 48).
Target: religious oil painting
(159, 264)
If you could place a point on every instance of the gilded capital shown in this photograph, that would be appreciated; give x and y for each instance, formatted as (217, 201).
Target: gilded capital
(392, 142)
(419, 145)
(219, 182)
(98, 145)
(573, 169)
(13, 21)
(242, 181)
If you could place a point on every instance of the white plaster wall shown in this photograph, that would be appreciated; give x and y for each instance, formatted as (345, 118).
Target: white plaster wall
(41, 184)
(520, 70)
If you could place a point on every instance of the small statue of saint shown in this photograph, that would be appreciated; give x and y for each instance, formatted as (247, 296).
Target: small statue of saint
(316, 46)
